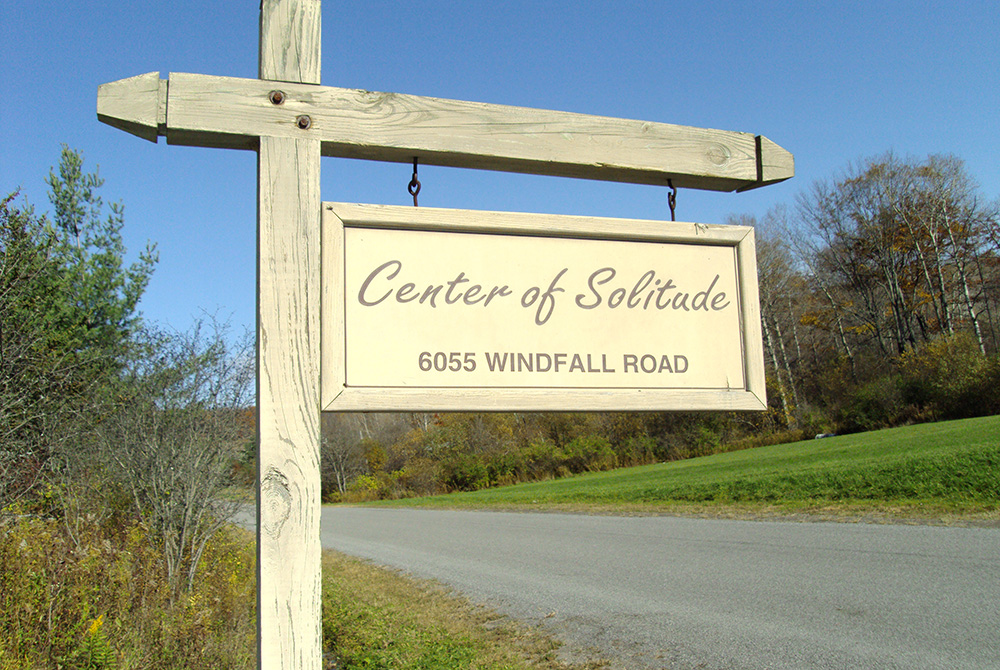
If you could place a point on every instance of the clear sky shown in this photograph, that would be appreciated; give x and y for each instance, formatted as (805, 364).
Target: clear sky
(832, 82)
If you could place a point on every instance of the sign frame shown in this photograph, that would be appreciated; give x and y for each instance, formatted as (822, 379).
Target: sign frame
(338, 396)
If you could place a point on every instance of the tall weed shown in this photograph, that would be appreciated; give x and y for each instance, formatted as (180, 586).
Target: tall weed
(99, 599)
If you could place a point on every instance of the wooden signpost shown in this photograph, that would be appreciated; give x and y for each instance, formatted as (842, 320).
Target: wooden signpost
(358, 270)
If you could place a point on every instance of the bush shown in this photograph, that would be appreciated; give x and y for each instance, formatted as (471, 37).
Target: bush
(507, 467)
(637, 450)
(952, 378)
(378, 486)
(419, 477)
(873, 405)
(464, 473)
(589, 453)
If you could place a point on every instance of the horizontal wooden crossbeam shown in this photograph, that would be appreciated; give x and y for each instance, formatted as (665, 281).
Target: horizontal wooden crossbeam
(201, 110)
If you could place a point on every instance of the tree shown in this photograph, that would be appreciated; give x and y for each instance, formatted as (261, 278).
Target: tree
(174, 438)
(29, 368)
(341, 455)
(68, 306)
(950, 212)
(102, 292)
(778, 284)
(899, 249)
(863, 255)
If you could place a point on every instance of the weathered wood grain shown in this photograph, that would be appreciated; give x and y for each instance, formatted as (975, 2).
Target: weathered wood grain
(288, 340)
(539, 400)
(230, 112)
(136, 105)
(753, 344)
(292, 49)
(524, 223)
(333, 368)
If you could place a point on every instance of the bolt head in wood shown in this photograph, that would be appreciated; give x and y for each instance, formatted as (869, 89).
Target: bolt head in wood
(276, 97)
(303, 122)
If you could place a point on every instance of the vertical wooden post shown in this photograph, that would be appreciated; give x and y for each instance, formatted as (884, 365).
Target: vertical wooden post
(288, 341)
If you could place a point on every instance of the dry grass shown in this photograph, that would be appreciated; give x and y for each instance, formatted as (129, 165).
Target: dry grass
(98, 599)
(376, 618)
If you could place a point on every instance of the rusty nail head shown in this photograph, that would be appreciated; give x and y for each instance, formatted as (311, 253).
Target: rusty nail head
(276, 97)
(303, 122)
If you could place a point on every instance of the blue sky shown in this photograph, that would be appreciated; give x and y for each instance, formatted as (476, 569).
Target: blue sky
(833, 83)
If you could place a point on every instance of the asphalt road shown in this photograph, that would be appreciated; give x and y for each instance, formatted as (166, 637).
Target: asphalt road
(666, 592)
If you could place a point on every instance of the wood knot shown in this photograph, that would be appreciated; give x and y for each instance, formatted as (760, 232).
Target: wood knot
(718, 154)
(275, 501)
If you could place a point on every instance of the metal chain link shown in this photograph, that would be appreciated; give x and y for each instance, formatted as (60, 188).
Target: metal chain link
(672, 199)
(414, 186)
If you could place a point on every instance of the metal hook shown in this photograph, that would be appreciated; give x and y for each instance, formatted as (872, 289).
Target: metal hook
(672, 199)
(414, 186)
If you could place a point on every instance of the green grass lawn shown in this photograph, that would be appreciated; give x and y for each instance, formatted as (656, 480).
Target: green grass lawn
(932, 470)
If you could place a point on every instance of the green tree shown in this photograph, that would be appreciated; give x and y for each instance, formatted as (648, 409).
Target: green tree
(68, 308)
(102, 292)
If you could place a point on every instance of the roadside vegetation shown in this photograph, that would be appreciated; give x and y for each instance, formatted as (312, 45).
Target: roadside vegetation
(100, 601)
(116, 440)
(123, 451)
(375, 618)
(941, 470)
(100, 598)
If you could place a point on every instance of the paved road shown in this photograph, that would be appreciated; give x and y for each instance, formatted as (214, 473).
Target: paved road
(664, 592)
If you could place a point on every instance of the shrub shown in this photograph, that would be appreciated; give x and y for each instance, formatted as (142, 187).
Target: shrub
(420, 477)
(637, 450)
(507, 467)
(952, 378)
(378, 486)
(465, 473)
(873, 405)
(543, 457)
(589, 453)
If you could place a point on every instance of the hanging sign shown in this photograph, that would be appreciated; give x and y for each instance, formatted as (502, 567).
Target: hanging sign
(430, 309)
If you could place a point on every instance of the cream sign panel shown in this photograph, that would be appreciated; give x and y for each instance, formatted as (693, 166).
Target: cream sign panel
(444, 308)
(464, 309)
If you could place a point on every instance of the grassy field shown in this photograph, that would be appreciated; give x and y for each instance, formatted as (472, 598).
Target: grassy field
(940, 470)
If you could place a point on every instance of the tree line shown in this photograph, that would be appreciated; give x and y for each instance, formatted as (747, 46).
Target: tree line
(880, 301)
(880, 295)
